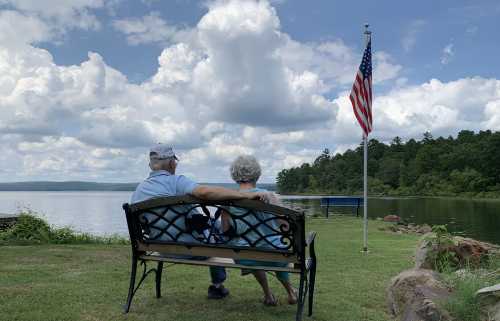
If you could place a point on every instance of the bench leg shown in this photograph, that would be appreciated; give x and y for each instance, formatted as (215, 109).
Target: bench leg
(158, 279)
(312, 280)
(300, 303)
(132, 285)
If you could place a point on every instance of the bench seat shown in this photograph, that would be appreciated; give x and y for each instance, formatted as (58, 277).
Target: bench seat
(218, 261)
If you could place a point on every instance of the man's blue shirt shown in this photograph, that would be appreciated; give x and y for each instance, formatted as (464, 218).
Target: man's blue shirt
(162, 183)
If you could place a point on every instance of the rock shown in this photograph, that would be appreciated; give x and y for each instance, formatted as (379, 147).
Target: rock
(423, 258)
(412, 228)
(423, 229)
(489, 298)
(7, 221)
(492, 313)
(412, 294)
(392, 218)
(493, 290)
(464, 274)
(393, 228)
(489, 295)
(465, 252)
(471, 251)
(428, 311)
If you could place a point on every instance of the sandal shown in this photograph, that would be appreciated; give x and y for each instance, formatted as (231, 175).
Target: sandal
(270, 303)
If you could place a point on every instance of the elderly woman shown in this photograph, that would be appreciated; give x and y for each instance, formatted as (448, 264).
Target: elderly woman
(245, 171)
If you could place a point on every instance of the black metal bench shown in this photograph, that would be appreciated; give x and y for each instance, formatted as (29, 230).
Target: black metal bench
(342, 201)
(158, 225)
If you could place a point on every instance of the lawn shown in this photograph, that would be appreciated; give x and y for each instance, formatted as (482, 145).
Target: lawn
(90, 282)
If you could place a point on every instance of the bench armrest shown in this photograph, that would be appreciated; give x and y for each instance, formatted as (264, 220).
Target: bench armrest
(311, 260)
(310, 238)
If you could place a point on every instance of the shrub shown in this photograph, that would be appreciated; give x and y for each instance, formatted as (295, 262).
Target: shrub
(463, 304)
(28, 229)
(441, 241)
(62, 235)
(31, 229)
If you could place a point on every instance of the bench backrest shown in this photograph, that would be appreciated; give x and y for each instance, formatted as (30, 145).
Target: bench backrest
(184, 225)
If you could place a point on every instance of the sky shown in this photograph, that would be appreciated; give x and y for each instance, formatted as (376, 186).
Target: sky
(87, 86)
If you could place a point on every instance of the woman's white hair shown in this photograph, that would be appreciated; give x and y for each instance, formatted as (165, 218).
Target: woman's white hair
(245, 169)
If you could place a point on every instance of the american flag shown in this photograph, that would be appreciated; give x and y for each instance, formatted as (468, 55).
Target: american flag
(361, 93)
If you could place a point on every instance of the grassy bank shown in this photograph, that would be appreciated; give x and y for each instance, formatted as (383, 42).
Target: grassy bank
(90, 281)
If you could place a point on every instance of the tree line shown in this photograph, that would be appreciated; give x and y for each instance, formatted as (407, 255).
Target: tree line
(468, 165)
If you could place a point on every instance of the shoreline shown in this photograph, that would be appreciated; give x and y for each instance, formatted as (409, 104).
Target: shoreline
(457, 197)
(297, 195)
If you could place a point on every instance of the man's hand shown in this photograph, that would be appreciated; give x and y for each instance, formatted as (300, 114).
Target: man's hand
(261, 196)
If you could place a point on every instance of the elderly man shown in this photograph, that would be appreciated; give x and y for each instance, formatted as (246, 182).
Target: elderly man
(163, 181)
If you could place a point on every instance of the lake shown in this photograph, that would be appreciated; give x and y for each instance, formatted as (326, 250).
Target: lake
(100, 213)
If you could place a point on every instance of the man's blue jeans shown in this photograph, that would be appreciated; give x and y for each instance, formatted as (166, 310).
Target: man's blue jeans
(217, 274)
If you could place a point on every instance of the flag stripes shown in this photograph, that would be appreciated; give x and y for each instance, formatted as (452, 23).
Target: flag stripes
(361, 93)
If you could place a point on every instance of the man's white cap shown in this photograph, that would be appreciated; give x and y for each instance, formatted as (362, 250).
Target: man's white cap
(162, 151)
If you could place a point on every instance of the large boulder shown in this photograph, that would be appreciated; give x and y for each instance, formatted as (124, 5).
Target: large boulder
(471, 251)
(489, 298)
(412, 296)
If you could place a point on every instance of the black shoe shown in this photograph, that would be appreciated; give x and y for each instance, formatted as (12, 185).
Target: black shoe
(217, 293)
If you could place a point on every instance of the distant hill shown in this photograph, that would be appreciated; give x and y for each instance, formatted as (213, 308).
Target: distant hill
(67, 186)
(92, 186)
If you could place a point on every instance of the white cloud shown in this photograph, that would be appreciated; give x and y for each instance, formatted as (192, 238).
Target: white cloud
(334, 62)
(32, 21)
(76, 13)
(447, 54)
(384, 67)
(232, 71)
(492, 115)
(19, 29)
(237, 84)
(148, 29)
(441, 108)
(411, 34)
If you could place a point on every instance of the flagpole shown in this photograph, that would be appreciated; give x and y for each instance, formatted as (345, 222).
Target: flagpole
(365, 170)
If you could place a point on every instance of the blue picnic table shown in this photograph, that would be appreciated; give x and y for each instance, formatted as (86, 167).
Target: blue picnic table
(341, 201)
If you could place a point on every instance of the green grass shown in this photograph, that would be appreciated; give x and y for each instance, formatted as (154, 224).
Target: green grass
(90, 281)
(463, 304)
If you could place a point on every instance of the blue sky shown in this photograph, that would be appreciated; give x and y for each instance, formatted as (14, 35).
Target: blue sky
(87, 85)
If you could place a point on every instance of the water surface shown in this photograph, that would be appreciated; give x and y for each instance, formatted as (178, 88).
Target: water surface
(479, 219)
(100, 213)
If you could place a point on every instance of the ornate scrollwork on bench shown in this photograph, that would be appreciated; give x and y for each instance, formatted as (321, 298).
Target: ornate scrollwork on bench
(195, 224)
